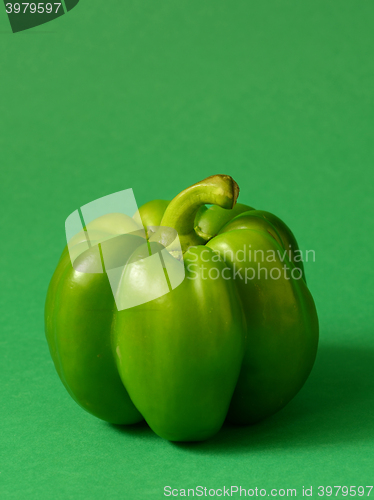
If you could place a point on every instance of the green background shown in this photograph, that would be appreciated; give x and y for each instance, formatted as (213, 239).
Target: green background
(156, 96)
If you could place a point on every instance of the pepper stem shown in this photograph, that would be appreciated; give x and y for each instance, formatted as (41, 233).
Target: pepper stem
(219, 190)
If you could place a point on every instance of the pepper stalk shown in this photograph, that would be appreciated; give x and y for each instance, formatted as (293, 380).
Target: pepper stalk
(180, 214)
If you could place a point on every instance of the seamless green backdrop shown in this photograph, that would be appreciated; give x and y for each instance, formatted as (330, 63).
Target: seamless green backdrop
(156, 96)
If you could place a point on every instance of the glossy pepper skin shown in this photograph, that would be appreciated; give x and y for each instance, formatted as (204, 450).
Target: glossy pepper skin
(221, 345)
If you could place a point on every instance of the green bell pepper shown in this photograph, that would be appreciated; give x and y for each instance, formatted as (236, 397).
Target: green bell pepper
(235, 340)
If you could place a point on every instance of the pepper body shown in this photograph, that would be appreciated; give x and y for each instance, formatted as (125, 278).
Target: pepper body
(225, 343)
(78, 317)
(179, 356)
